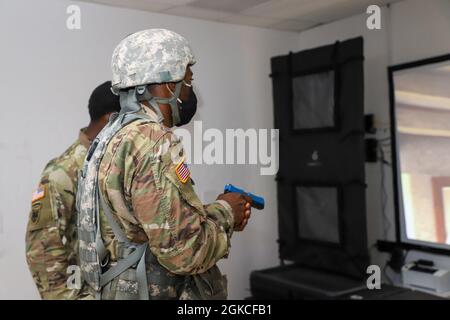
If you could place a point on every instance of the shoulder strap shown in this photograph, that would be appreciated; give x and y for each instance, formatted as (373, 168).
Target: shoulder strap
(124, 264)
(92, 251)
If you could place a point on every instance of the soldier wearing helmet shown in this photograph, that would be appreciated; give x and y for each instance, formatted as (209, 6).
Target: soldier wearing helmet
(146, 197)
(51, 246)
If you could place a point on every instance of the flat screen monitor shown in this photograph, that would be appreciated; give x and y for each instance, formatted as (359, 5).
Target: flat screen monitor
(420, 123)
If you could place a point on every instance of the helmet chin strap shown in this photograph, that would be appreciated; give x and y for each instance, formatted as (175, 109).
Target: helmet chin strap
(130, 101)
(173, 102)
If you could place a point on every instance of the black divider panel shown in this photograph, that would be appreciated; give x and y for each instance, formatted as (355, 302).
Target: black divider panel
(319, 110)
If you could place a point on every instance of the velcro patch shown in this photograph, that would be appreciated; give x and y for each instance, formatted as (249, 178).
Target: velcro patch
(38, 194)
(182, 171)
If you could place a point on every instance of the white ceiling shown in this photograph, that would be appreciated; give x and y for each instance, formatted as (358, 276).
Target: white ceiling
(292, 15)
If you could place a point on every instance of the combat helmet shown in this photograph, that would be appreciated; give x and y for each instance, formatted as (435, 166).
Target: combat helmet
(151, 56)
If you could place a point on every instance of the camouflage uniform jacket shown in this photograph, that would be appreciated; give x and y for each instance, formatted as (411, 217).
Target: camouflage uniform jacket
(51, 244)
(142, 183)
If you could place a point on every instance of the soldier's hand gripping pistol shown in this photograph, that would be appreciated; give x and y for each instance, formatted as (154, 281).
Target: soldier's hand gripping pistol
(257, 202)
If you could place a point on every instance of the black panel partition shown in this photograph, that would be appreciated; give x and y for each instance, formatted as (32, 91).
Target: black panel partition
(318, 108)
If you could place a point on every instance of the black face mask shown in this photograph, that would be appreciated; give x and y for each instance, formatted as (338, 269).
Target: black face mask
(187, 109)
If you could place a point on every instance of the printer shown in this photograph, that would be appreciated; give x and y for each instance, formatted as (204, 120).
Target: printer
(423, 275)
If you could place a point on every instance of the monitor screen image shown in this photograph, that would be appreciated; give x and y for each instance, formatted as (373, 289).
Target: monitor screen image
(422, 155)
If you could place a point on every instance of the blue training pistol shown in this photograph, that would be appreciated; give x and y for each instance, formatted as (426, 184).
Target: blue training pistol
(257, 202)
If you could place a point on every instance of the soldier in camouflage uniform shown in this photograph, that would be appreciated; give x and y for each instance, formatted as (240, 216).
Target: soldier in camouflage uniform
(51, 245)
(146, 184)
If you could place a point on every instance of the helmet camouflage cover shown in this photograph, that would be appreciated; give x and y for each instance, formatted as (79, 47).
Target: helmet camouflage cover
(150, 56)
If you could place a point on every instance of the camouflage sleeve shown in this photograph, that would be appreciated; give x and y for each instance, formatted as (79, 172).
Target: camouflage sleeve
(187, 237)
(47, 255)
(220, 212)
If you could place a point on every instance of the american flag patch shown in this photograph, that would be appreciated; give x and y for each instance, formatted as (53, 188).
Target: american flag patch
(182, 171)
(38, 194)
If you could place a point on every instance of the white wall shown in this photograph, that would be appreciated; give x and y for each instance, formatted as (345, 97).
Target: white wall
(47, 73)
(411, 30)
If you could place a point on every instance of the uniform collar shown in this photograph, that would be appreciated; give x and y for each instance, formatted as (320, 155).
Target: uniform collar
(84, 140)
(150, 113)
